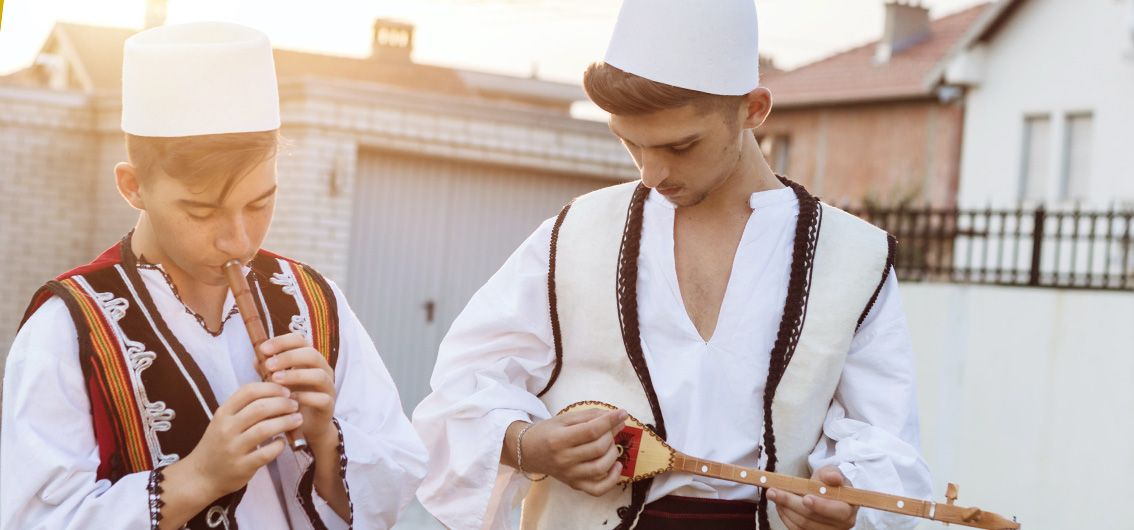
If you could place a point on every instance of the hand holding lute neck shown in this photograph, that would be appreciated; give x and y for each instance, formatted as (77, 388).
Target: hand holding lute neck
(808, 511)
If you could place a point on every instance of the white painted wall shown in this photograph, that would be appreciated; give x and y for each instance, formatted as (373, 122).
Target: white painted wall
(1053, 57)
(1025, 398)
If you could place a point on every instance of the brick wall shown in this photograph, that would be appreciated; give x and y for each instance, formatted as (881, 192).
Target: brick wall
(46, 159)
(313, 209)
(845, 153)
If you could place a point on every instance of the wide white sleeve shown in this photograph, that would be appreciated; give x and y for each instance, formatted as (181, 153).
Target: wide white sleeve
(496, 357)
(384, 457)
(871, 429)
(48, 453)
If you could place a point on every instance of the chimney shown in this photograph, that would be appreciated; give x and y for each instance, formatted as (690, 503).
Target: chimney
(55, 70)
(393, 41)
(155, 13)
(906, 24)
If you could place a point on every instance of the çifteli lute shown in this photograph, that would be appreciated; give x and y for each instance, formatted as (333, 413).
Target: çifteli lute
(644, 454)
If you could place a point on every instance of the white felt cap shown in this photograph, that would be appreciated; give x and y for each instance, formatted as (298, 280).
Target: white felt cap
(705, 45)
(199, 78)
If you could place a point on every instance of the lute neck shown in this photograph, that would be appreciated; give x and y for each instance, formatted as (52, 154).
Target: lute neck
(972, 517)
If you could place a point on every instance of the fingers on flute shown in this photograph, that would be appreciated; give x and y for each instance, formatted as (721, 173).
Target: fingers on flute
(283, 343)
(316, 400)
(251, 392)
(303, 357)
(311, 378)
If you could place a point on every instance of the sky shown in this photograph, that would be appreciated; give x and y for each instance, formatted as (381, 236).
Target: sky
(553, 39)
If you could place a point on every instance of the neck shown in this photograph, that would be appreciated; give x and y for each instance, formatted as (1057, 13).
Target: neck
(751, 175)
(204, 299)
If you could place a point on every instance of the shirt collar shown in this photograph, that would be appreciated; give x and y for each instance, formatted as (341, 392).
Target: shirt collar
(757, 201)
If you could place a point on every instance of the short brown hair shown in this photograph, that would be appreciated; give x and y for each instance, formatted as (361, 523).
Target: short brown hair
(202, 160)
(625, 94)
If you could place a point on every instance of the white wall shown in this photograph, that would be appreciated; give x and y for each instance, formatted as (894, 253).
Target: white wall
(1026, 398)
(1053, 57)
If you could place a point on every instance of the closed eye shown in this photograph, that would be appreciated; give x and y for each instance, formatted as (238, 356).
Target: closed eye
(198, 216)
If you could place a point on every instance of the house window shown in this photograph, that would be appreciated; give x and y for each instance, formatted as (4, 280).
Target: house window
(1077, 139)
(1034, 165)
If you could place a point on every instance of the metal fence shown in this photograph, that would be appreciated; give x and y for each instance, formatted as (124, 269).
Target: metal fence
(1068, 249)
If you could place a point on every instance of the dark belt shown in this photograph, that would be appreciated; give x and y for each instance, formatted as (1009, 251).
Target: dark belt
(688, 513)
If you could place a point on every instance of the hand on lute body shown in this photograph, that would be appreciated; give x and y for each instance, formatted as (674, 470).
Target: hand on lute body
(576, 448)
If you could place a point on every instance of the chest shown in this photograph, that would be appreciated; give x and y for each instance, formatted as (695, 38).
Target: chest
(704, 254)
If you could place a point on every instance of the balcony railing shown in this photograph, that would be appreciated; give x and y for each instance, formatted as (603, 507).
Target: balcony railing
(1067, 249)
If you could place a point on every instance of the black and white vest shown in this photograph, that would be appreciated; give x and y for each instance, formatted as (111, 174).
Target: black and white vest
(839, 265)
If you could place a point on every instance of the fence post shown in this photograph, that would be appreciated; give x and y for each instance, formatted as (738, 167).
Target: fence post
(1039, 218)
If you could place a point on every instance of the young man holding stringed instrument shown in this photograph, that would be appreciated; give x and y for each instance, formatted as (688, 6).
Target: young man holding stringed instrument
(725, 307)
(133, 396)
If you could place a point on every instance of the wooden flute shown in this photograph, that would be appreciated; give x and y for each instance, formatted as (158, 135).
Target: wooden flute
(254, 324)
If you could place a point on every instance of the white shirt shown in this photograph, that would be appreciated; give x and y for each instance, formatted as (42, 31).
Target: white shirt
(49, 456)
(499, 353)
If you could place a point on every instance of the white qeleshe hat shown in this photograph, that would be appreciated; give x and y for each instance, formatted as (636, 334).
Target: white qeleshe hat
(705, 45)
(199, 78)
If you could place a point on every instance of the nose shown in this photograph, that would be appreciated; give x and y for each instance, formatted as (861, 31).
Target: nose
(232, 238)
(653, 170)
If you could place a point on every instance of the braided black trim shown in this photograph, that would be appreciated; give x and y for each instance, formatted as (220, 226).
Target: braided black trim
(553, 302)
(627, 289)
(628, 515)
(795, 310)
(154, 491)
(306, 492)
(893, 244)
(342, 470)
(143, 263)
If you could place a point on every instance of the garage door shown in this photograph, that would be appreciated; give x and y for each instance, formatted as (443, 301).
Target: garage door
(426, 234)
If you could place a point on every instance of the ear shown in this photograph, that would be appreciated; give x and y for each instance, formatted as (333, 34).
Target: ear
(126, 178)
(758, 104)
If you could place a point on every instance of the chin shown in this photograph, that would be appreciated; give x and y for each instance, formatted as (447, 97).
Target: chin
(690, 200)
(218, 282)
(208, 276)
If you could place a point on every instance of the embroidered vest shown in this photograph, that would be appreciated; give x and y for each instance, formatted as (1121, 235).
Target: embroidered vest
(150, 402)
(839, 264)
